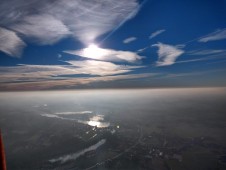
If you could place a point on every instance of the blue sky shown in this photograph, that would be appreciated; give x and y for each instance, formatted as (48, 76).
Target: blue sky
(112, 44)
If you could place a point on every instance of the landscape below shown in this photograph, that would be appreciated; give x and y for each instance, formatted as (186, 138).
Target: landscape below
(159, 129)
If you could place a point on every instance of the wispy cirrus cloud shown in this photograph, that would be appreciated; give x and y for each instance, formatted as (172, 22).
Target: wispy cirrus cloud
(206, 55)
(27, 73)
(107, 55)
(101, 68)
(10, 43)
(167, 54)
(129, 40)
(39, 73)
(217, 57)
(46, 22)
(206, 52)
(142, 49)
(72, 82)
(156, 33)
(42, 29)
(196, 73)
(90, 19)
(217, 35)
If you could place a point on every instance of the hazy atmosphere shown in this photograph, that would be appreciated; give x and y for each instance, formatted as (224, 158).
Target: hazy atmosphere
(50, 130)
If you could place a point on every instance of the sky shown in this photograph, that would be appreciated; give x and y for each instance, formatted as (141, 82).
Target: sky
(77, 44)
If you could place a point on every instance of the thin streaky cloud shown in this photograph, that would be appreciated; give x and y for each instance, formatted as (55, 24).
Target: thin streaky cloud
(198, 73)
(69, 82)
(193, 60)
(211, 57)
(156, 33)
(131, 15)
(185, 74)
(129, 40)
(58, 72)
(206, 52)
(217, 35)
(206, 37)
(101, 68)
(142, 49)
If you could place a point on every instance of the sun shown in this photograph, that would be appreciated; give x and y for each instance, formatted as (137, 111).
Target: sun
(93, 51)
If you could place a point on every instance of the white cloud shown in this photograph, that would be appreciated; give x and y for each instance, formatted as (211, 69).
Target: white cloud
(28, 73)
(10, 43)
(167, 54)
(43, 29)
(217, 35)
(211, 57)
(42, 73)
(90, 19)
(206, 52)
(107, 55)
(156, 33)
(101, 68)
(49, 21)
(194, 60)
(129, 40)
(64, 82)
(142, 49)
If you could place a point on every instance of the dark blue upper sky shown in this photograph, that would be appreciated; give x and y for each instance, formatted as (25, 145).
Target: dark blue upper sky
(112, 44)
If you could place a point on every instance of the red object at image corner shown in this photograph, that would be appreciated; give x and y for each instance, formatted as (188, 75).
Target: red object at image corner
(2, 154)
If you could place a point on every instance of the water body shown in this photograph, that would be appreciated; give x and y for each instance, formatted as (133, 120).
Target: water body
(96, 120)
(76, 155)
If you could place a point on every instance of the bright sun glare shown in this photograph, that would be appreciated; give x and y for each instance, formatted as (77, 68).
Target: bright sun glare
(93, 51)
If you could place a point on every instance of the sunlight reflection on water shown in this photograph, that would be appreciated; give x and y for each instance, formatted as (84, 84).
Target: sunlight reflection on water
(96, 120)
